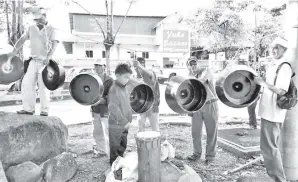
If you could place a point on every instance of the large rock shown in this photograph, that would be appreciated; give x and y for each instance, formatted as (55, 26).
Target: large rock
(60, 168)
(25, 172)
(2, 174)
(30, 138)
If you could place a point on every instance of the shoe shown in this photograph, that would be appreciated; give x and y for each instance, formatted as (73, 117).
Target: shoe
(193, 157)
(25, 112)
(209, 162)
(253, 127)
(98, 154)
(44, 114)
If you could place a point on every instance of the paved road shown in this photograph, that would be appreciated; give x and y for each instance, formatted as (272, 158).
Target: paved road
(71, 112)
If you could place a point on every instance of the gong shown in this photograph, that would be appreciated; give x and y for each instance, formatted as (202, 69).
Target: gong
(185, 95)
(141, 96)
(53, 75)
(86, 89)
(235, 86)
(10, 72)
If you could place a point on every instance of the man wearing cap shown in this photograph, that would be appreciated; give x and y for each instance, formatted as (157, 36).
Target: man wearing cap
(100, 114)
(208, 114)
(149, 78)
(43, 42)
(272, 117)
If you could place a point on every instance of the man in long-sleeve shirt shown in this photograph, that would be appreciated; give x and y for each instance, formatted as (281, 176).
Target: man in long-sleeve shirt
(120, 112)
(208, 114)
(100, 114)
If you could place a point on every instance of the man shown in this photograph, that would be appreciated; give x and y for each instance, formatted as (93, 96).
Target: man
(100, 113)
(149, 78)
(43, 42)
(272, 117)
(208, 114)
(251, 109)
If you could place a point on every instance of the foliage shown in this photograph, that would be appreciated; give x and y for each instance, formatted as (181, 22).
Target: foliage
(224, 25)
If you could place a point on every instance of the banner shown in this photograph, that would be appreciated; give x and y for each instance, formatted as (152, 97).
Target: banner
(176, 41)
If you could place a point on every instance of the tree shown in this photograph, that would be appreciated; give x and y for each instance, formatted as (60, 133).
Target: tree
(109, 36)
(269, 25)
(222, 24)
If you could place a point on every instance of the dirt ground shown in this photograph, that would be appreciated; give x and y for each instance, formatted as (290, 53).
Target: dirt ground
(92, 169)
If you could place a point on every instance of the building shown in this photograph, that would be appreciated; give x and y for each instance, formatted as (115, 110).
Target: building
(159, 38)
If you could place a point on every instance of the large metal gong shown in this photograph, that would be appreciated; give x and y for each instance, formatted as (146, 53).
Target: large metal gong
(10, 72)
(185, 95)
(235, 86)
(141, 95)
(86, 89)
(53, 75)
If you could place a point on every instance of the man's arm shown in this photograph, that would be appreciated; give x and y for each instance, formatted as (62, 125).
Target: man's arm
(113, 106)
(146, 74)
(205, 76)
(20, 43)
(282, 82)
(54, 42)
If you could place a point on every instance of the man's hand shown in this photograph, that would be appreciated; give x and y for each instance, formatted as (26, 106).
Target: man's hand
(260, 81)
(127, 126)
(136, 63)
(46, 61)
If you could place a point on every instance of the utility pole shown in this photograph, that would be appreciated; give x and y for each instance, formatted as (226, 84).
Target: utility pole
(289, 136)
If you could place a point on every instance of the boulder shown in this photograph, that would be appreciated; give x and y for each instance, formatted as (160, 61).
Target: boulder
(25, 172)
(30, 138)
(60, 168)
(2, 174)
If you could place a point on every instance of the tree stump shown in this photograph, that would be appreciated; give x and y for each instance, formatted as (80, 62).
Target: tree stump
(149, 151)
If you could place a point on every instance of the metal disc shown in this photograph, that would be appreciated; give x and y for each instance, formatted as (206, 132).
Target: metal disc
(86, 89)
(141, 98)
(237, 85)
(10, 73)
(53, 75)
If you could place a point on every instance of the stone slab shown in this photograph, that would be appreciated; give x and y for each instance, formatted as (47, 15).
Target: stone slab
(242, 142)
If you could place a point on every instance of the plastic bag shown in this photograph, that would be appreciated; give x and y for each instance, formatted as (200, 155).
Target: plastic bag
(167, 151)
(128, 165)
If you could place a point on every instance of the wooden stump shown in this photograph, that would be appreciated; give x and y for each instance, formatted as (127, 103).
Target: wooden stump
(149, 167)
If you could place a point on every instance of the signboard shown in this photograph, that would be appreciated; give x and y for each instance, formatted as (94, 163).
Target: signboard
(176, 41)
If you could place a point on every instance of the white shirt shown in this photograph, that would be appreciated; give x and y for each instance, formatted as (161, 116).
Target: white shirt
(40, 40)
(268, 108)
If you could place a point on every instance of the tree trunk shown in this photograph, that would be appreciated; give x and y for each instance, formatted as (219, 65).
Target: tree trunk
(14, 23)
(108, 52)
(20, 27)
(7, 23)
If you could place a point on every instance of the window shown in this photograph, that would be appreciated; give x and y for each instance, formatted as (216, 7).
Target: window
(89, 54)
(103, 54)
(145, 55)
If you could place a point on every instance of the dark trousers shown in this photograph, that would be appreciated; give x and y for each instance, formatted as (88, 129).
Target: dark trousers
(270, 140)
(118, 143)
(252, 114)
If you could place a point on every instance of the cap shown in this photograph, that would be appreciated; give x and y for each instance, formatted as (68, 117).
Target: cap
(37, 11)
(191, 59)
(280, 41)
(99, 62)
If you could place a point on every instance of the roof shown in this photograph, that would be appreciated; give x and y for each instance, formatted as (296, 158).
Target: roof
(138, 8)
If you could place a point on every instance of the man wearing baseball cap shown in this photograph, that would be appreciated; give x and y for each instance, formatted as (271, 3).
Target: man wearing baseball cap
(43, 42)
(272, 117)
(208, 114)
(100, 113)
